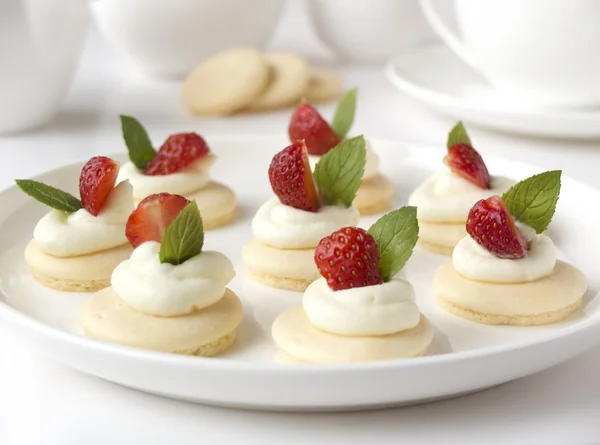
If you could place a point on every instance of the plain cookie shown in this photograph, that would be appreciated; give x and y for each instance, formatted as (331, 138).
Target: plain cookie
(323, 85)
(302, 342)
(290, 269)
(84, 273)
(293, 284)
(435, 248)
(216, 203)
(374, 195)
(225, 83)
(288, 83)
(440, 238)
(206, 332)
(538, 302)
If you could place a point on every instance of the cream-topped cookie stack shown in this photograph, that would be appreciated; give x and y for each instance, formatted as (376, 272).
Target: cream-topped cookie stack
(171, 295)
(77, 245)
(444, 199)
(288, 227)
(359, 310)
(376, 191)
(181, 166)
(505, 270)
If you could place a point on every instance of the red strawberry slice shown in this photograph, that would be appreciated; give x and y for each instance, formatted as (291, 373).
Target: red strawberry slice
(292, 180)
(490, 224)
(307, 124)
(464, 161)
(152, 216)
(96, 181)
(178, 151)
(348, 258)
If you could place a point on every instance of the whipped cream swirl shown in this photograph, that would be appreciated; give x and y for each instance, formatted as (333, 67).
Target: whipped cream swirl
(475, 263)
(371, 165)
(371, 310)
(191, 179)
(63, 234)
(285, 227)
(447, 198)
(164, 289)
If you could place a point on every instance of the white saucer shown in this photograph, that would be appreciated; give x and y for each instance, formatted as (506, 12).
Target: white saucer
(433, 75)
(464, 357)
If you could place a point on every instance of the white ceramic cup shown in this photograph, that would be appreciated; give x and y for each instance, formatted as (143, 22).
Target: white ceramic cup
(368, 31)
(538, 51)
(168, 38)
(40, 45)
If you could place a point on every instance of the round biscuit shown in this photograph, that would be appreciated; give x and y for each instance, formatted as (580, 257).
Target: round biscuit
(206, 332)
(323, 85)
(289, 74)
(225, 83)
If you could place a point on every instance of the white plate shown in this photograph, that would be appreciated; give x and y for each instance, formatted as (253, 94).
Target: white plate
(433, 75)
(465, 356)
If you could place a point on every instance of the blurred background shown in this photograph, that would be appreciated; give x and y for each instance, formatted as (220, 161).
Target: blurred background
(132, 56)
(69, 67)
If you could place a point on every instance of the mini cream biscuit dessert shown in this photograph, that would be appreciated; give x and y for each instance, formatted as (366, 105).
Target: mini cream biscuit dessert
(376, 191)
(444, 199)
(288, 227)
(171, 295)
(359, 310)
(505, 272)
(77, 245)
(181, 166)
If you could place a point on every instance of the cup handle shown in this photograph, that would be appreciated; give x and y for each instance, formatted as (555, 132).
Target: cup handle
(446, 34)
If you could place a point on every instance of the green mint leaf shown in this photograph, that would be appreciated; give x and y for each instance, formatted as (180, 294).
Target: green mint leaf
(339, 172)
(396, 235)
(137, 142)
(458, 135)
(184, 238)
(533, 200)
(52, 197)
(344, 114)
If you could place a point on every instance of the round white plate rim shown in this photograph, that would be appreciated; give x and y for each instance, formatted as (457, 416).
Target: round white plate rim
(18, 320)
(456, 105)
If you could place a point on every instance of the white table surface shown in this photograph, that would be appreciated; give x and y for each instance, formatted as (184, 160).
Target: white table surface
(45, 403)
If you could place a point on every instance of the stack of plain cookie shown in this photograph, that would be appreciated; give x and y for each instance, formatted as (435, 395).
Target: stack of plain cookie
(247, 80)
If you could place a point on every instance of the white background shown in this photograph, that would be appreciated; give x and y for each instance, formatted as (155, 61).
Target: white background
(44, 403)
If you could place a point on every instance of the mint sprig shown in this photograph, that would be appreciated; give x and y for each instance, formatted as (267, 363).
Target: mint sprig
(396, 235)
(50, 196)
(458, 135)
(137, 141)
(533, 200)
(338, 173)
(184, 237)
(344, 114)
